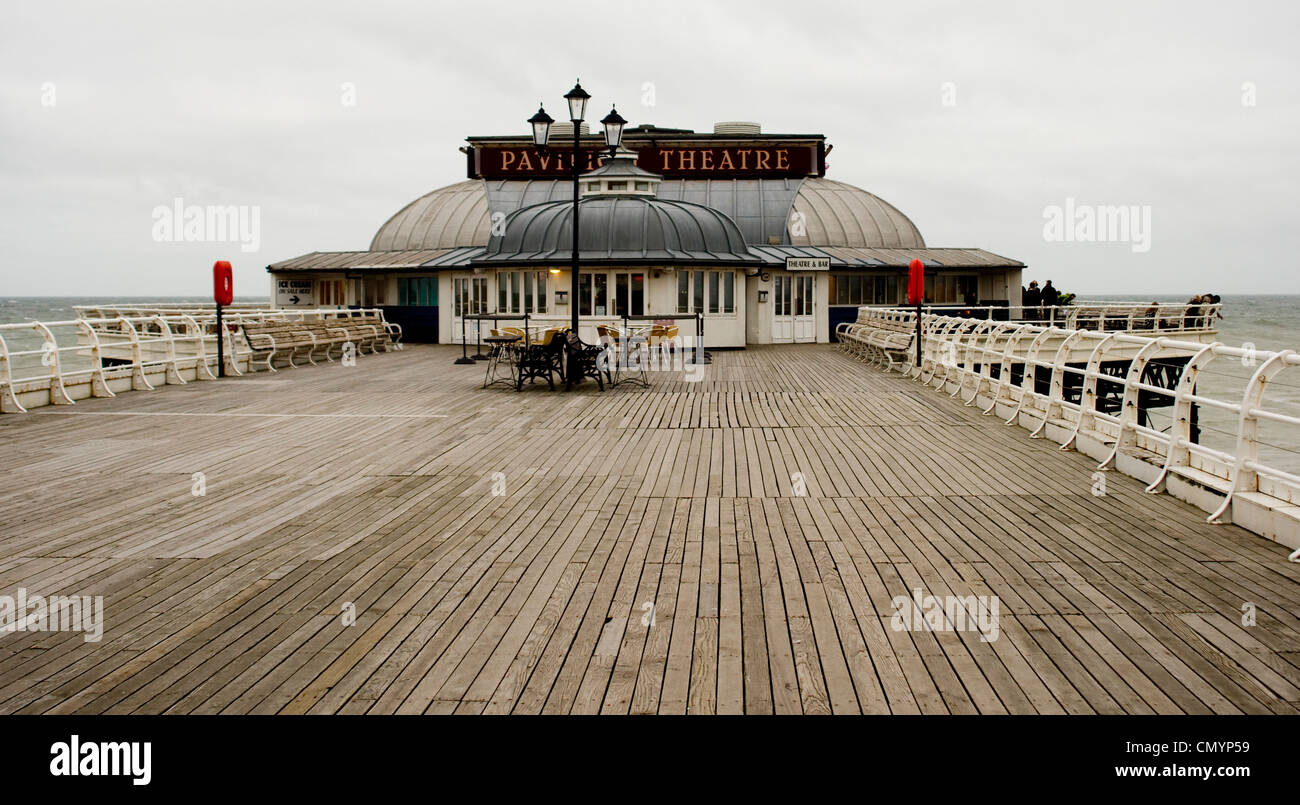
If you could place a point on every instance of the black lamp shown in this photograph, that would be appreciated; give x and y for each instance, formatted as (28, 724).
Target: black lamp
(614, 124)
(541, 127)
(577, 98)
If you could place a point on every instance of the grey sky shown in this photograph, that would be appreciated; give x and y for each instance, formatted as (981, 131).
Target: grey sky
(1107, 103)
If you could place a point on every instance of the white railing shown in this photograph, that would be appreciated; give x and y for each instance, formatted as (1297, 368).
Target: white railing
(162, 309)
(1022, 371)
(1099, 316)
(57, 363)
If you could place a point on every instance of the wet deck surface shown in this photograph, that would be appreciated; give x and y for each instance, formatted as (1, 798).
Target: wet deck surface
(729, 545)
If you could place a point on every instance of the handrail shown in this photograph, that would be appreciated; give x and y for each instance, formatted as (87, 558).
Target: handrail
(1182, 317)
(135, 350)
(961, 352)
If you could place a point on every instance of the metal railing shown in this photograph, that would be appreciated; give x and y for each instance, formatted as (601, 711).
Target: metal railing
(1022, 371)
(1099, 316)
(56, 363)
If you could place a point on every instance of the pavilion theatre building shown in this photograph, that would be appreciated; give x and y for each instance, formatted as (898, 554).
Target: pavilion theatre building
(739, 226)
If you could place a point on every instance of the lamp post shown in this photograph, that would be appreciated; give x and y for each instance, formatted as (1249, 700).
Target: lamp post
(541, 122)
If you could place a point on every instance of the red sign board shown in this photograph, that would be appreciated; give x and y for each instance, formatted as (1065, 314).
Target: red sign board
(759, 160)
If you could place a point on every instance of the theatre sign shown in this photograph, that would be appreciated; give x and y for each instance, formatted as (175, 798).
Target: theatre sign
(700, 158)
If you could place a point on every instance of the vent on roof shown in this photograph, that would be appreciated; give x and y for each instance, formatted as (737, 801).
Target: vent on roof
(737, 127)
(564, 128)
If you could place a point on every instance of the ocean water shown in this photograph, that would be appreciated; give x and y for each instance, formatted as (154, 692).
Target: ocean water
(1270, 322)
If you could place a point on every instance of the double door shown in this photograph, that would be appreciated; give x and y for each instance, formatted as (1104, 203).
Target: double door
(794, 319)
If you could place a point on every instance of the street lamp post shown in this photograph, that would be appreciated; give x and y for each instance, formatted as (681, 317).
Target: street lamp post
(541, 122)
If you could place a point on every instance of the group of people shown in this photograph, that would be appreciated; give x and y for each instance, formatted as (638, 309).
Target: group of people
(1199, 313)
(1036, 297)
(1199, 310)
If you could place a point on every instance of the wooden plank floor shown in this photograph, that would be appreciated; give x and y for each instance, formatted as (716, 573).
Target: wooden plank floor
(731, 545)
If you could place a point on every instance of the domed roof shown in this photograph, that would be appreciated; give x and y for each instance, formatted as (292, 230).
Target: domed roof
(620, 229)
(839, 214)
(833, 213)
(447, 218)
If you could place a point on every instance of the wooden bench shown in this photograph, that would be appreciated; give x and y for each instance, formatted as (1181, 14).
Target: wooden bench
(878, 339)
(290, 340)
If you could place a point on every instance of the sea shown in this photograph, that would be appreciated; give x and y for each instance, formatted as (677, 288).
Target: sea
(1269, 322)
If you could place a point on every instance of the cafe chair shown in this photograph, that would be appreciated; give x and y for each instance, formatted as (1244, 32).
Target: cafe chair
(541, 358)
(583, 360)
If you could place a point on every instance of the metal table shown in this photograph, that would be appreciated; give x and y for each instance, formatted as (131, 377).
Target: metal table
(501, 353)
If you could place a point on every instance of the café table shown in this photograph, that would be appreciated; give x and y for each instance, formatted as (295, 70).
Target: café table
(501, 356)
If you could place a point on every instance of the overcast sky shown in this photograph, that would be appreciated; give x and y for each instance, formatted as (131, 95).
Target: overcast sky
(972, 118)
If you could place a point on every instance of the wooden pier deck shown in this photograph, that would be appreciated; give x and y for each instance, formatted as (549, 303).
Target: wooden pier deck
(374, 486)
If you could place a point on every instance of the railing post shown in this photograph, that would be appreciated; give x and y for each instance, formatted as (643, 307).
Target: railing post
(1178, 454)
(1004, 365)
(231, 361)
(98, 382)
(201, 369)
(1128, 409)
(172, 375)
(1245, 479)
(8, 399)
(50, 354)
(138, 380)
(1088, 392)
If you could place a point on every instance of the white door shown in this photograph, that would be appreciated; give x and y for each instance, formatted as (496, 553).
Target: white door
(793, 317)
(469, 297)
(782, 308)
(805, 320)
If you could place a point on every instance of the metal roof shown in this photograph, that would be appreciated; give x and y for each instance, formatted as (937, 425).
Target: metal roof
(833, 213)
(446, 218)
(620, 229)
(899, 258)
(839, 214)
(776, 255)
(342, 261)
(760, 207)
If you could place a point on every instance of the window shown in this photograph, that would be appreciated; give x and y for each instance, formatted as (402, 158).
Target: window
(422, 291)
(593, 291)
(521, 292)
(866, 289)
(599, 292)
(470, 296)
(628, 293)
(616, 185)
(329, 292)
(781, 294)
(706, 292)
(943, 289)
(803, 296)
(642, 185)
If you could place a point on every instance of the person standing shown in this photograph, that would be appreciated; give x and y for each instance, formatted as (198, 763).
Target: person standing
(1032, 301)
(1050, 299)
